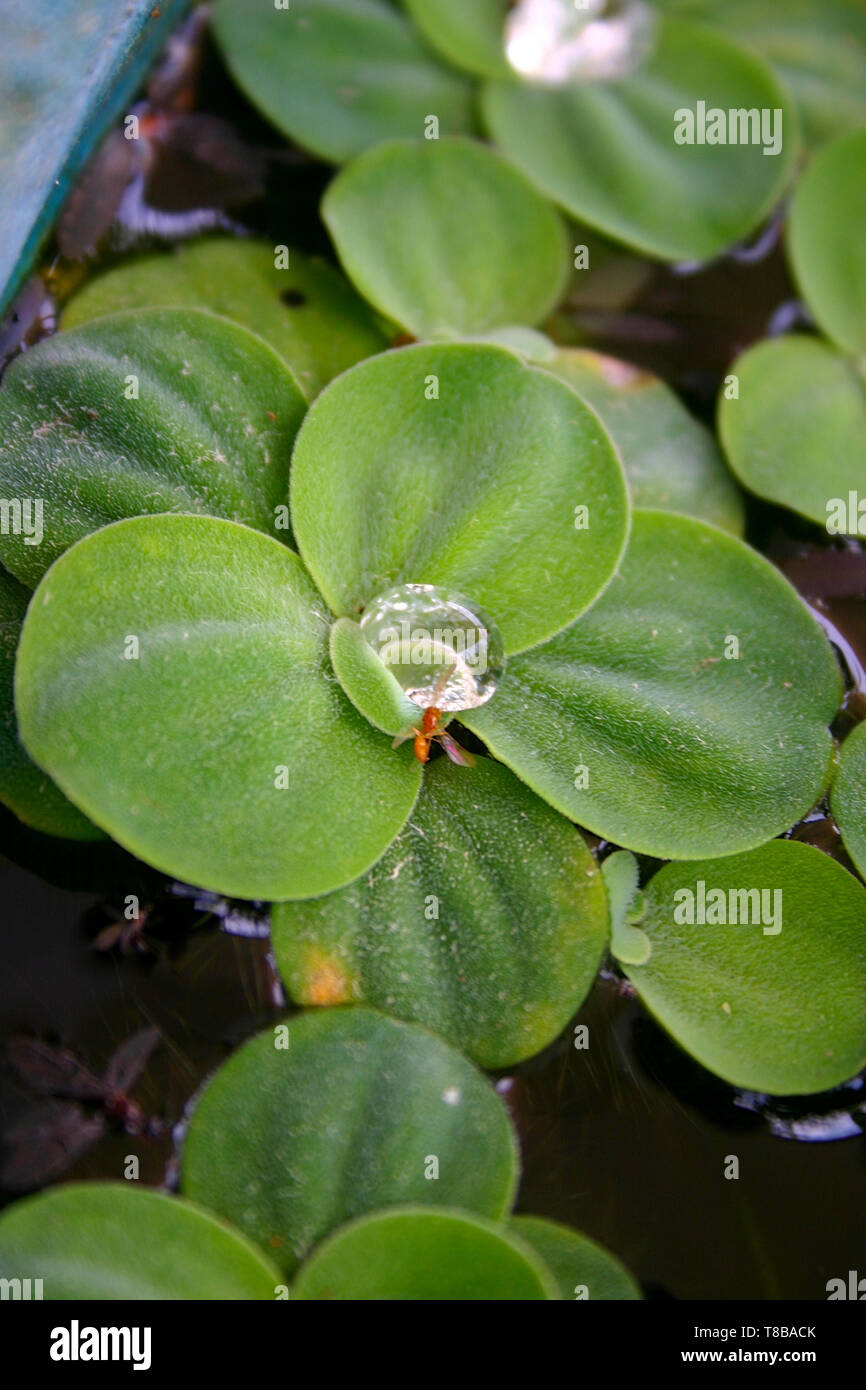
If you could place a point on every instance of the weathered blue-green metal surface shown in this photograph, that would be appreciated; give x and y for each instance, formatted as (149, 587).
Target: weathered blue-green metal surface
(66, 69)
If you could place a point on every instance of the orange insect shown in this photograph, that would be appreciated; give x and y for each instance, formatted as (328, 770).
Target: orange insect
(432, 726)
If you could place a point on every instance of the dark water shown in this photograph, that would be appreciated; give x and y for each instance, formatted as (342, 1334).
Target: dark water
(627, 1140)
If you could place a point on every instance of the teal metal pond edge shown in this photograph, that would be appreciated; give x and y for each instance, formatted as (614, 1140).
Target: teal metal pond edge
(134, 34)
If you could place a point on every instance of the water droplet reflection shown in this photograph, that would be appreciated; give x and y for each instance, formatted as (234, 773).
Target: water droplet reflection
(553, 42)
(443, 649)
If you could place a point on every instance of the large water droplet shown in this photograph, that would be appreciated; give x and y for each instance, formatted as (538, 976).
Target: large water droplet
(555, 41)
(442, 649)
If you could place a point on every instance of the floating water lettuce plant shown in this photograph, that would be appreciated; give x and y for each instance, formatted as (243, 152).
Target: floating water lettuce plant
(249, 749)
(352, 1155)
(235, 759)
(597, 140)
(272, 555)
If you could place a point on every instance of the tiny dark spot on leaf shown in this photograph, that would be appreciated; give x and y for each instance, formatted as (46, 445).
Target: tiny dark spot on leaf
(294, 298)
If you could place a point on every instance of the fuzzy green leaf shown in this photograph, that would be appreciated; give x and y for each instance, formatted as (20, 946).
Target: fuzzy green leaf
(818, 48)
(582, 1269)
(224, 753)
(154, 410)
(24, 787)
(620, 873)
(848, 796)
(290, 1142)
(777, 1003)
(339, 75)
(607, 153)
(671, 460)
(468, 33)
(368, 682)
(420, 1254)
(796, 433)
(446, 238)
(486, 920)
(118, 1241)
(634, 722)
(826, 234)
(459, 466)
(307, 312)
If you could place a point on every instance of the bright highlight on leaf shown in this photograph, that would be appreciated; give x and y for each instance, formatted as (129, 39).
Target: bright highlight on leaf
(441, 647)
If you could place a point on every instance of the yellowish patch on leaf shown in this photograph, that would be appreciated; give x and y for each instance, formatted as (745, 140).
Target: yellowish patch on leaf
(327, 982)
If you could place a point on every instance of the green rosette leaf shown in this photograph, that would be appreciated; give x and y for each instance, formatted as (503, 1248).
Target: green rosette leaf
(463, 467)
(826, 232)
(446, 238)
(304, 309)
(699, 681)
(336, 1115)
(339, 76)
(582, 1268)
(627, 156)
(154, 410)
(486, 920)
(120, 1242)
(670, 459)
(173, 678)
(24, 787)
(758, 966)
(796, 432)
(848, 796)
